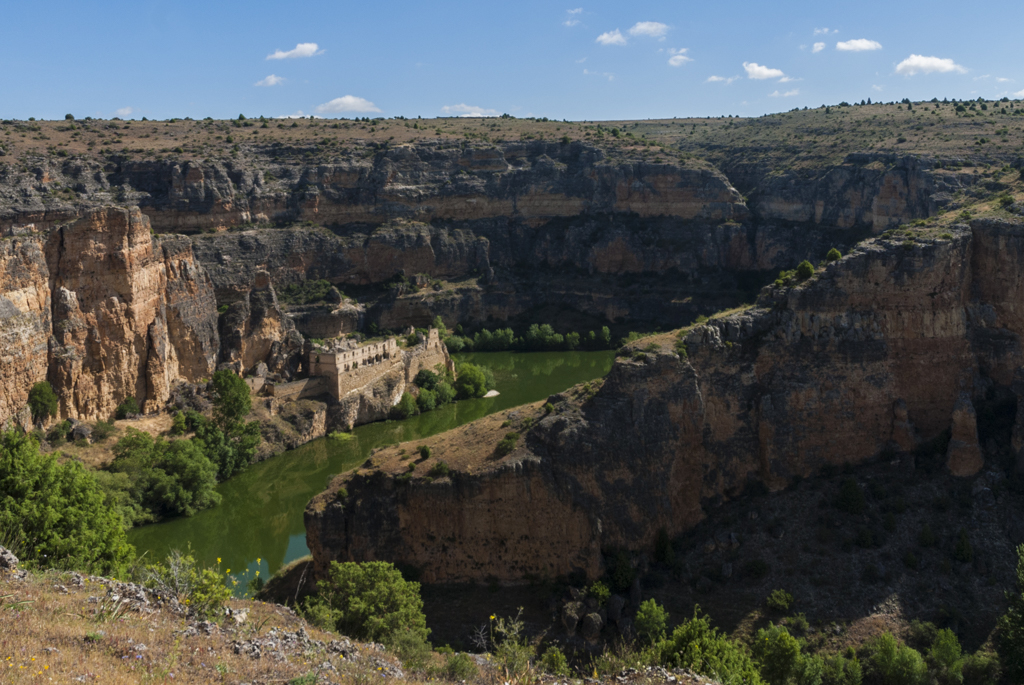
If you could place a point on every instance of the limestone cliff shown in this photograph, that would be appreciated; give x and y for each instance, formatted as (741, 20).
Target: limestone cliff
(877, 354)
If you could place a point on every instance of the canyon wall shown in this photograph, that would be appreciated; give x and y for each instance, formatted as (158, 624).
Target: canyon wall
(878, 354)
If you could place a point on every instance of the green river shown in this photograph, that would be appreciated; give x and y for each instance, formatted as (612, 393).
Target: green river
(258, 525)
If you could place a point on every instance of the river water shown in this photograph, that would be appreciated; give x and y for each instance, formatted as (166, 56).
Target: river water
(258, 525)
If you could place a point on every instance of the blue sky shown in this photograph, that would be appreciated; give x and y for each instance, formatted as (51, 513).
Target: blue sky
(577, 60)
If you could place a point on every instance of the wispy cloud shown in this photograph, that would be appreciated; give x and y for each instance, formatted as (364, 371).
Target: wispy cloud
(573, 19)
(1019, 94)
(787, 94)
(347, 103)
(271, 80)
(878, 88)
(824, 32)
(300, 50)
(678, 57)
(124, 112)
(756, 71)
(858, 45)
(721, 79)
(919, 64)
(605, 74)
(818, 47)
(612, 38)
(465, 110)
(650, 29)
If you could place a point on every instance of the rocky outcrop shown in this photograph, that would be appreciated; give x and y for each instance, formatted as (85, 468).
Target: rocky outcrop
(879, 353)
(255, 330)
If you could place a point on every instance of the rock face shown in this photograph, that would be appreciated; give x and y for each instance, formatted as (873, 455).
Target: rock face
(123, 315)
(879, 352)
(255, 330)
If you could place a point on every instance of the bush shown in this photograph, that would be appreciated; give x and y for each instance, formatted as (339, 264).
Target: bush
(553, 661)
(202, 590)
(777, 653)
(460, 667)
(128, 406)
(600, 592)
(444, 393)
(405, 408)
(851, 497)
(945, 658)
(426, 379)
(234, 399)
(513, 652)
(890, 663)
(470, 381)
(369, 601)
(102, 430)
(424, 451)
(1010, 641)
(696, 645)
(651, 620)
(439, 470)
(838, 670)
(427, 401)
(981, 669)
(42, 401)
(56, 514)
(507, 444)
(779, 600)
(833, 255)
(804, 270)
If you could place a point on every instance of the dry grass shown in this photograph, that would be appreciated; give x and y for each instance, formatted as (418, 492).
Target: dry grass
(100, 454)
(51, 632)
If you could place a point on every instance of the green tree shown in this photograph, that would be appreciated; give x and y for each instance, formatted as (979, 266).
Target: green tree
(445, 393)
(777, 653)
(234, 400)
(427, 401)
(42, 401)
(696, 645)
(405, 408)
(833, 255)
(651, 619)
(892, 663)
(368, 601)
(804, 270)
(1010, 643)
(426, 379)
(128, 406)
(56, 514)
(470, 381)
(945, 658)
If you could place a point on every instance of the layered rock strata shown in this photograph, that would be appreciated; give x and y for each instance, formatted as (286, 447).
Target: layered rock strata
(879, 353)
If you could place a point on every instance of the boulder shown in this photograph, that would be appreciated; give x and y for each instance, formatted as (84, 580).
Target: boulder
(82, 431)
(591, 626)
(7, 559)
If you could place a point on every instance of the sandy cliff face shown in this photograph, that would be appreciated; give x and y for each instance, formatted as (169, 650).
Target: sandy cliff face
(884, 350)
(123, 315)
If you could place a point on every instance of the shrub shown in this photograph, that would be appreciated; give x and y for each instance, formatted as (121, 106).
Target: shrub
(470, 381)
(600, 592)
(833, 255)
(945, 658)
(424, 451)
(777, 653)
(1010, 642)
(202, 590)
(58, 433)
(444, 393)
(851, 497)
(507, 444)
(42, 401)
(553, 661)
(426, 379)
(53, 513)
(838, 670)
(513, 652)
(460, 667)
(890, 663)
(548, 407)
(369, 601)
(798, 623)
(804, 270)
(179, 424)
(981, 669)
(102, 430)
(439, 470)
(427, 401)
(651, 620)
(234, 399)
(128, 406)
(405, 408)
(698, 646)
(779, 600)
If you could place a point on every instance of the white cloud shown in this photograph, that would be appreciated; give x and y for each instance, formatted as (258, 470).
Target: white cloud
(788, 93)
(297, 115)
(678, 57)
(300, 50)
(124, 112)
(465, 110)
(721, 79)
(878, 88)
(572, 20)
(858, 45)
(919, 64)
(818, 47)
(651, 29)
(1018, 94)
(756, 71)
(348, 103)
(1000, 79)
(824, 32)
(787, 79)
(612, 38)
(270, 81)
(605, 74)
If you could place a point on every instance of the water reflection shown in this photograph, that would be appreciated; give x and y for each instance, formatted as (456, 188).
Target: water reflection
(261, 513)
